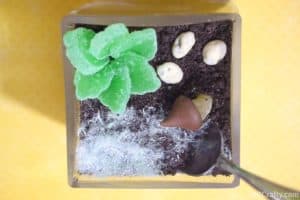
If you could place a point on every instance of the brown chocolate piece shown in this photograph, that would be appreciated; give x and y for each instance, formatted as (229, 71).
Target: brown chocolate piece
(184, 114)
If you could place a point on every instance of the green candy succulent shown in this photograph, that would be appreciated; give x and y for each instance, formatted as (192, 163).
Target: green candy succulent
(112, 64)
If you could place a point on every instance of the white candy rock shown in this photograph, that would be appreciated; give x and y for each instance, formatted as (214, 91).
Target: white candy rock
(170, 73)
(214, 51)
(203, 104)
(183, 44)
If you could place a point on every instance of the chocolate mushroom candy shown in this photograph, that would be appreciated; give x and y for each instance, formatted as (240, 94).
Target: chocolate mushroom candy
(184, 114)
(189, 114)
(204, 104)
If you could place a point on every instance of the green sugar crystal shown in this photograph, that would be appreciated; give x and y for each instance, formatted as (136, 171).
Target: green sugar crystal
(91, 86)
(118, 93)
(141, 42)
(112, 64)
(101, 43)
(77, 43)
(143, 76)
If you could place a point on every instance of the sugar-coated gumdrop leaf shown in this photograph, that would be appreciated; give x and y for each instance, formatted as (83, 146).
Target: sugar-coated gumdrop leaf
(142, 42)
(142, 74)
(100, 44)
(77, 43)
(118, 93)
(91, 86)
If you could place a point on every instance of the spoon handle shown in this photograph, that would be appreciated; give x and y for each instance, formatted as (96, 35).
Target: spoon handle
(270, 189)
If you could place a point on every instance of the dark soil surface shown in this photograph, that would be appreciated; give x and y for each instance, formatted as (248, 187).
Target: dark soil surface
(198, 78)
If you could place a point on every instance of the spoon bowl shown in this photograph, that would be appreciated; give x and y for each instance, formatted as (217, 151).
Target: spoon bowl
(204, 151)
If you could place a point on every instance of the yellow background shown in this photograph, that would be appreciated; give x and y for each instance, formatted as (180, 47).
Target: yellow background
(32, 125)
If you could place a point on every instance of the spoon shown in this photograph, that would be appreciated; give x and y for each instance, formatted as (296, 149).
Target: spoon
(206, 151)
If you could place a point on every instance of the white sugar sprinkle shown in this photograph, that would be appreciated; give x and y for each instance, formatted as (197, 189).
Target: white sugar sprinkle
(110, 146)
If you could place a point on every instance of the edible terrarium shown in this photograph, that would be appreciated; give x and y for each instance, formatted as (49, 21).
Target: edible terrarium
(146, 83)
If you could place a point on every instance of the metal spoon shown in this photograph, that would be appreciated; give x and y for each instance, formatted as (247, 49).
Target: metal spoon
(206, 151)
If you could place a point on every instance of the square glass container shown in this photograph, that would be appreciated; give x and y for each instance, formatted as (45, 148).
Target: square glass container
(153, 13)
